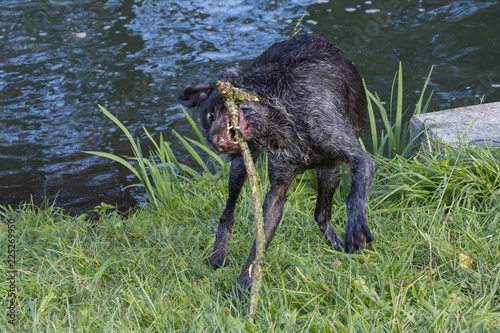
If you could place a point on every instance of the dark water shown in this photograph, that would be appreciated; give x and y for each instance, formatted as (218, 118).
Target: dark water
(59, 59)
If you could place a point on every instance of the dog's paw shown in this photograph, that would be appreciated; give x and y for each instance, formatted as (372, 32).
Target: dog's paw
(218, 259)
(236, 293)
(334, 239)
(356, 237)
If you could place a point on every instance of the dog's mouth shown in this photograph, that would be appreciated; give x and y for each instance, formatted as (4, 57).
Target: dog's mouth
(241, 128)
(224, 140)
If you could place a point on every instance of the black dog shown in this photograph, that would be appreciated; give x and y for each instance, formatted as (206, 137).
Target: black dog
(311, 111)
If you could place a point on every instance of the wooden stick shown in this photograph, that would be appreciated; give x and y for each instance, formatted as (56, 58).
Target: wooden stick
(231, 95)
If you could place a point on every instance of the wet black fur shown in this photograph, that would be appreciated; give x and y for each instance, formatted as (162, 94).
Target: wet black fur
(311, 111)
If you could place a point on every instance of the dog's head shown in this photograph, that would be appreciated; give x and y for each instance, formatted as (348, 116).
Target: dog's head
(215, 117)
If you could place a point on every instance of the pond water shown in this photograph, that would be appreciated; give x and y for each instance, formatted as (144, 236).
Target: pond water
(59, 59)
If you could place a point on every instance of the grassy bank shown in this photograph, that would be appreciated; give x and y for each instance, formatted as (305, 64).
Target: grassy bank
(434, 266)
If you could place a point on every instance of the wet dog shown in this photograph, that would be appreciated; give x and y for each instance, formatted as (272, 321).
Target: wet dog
(311, 109)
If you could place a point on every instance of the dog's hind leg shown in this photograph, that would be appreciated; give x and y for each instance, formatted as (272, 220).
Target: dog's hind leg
(328, 181)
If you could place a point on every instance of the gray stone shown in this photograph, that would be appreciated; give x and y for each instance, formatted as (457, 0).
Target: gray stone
(478, 124)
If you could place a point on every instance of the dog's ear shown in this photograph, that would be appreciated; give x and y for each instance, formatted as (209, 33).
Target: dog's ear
(192, 96)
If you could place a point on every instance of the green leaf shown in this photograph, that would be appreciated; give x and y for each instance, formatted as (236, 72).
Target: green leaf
(116, 159)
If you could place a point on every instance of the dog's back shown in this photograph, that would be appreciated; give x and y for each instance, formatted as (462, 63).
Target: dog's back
(307, 72)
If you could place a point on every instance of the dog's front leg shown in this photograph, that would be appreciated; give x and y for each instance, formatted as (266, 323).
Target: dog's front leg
(280, 177)
(237, 177)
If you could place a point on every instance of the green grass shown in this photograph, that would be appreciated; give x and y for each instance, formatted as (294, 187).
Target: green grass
(148, 270)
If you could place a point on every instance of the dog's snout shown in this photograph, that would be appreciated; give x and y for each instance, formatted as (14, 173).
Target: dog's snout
(218, 142)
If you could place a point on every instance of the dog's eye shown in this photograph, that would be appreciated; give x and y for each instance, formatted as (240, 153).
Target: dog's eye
(210, 118)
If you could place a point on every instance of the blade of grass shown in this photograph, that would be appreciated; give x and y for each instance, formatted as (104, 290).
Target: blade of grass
(373, 124)
(191, 151)
(116, 159)
(396, 147)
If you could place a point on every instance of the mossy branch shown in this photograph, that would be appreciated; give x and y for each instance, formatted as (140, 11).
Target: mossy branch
(231, 95)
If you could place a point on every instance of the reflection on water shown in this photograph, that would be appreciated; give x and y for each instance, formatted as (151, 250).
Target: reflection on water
(58, 60)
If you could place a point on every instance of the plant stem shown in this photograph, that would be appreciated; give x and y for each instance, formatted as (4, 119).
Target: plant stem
(230, 95)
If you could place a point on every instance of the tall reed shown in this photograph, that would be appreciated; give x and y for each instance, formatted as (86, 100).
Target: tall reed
(161, 173)
(393, 139)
